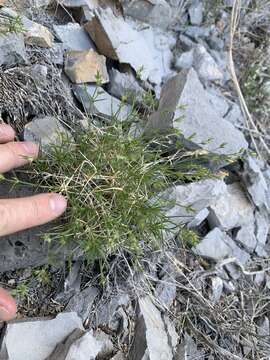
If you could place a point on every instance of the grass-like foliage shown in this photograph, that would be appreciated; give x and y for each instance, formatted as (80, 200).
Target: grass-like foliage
(9, 24)
(111, 181)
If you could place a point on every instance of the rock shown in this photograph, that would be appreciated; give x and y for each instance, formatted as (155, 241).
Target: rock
(157, 12)
(185, 61)
(172, 334)
(198, 32)
(198, 219)
(185, 106)
(78, 3)
(196, 12)
(2, 2)
(150, 338)
(217, 289)
(73, 37)
(36, 34)
(118, 356)
(216, 246)
(62, 349)
(97, 101)
(235, 116)
(186, 201)
(85, 348)
(124, 85)
(256, 183)
(262, 230)
(12, 50)
(232, 209)
(202, 62)
(86, 66)
(55, 55)
(82, 302)
(112, 313)
(130, 43)
(46, 131)
(107, 348)
(187, 350)
(40, 337)
(246, 237)
(205, 65)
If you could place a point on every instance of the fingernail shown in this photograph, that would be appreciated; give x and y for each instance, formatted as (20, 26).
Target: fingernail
(58, 203)
(5, 314)
(30, 147)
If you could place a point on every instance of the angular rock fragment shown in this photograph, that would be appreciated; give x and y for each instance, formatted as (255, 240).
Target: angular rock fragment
(12, 50)
(186, 201)
(216, 246)
(262, 225)
(97, 101)
(150, 338)
(78, 3)
(233, 209)
(36, 34)
(73, 37)
(130, 43)
(46, 131)
(82, 302)
(157, 13)
(86, 66)
(256, 183)
(124, 85)
(184, 105)
(188, 350)
(36, 339)
(195, 12)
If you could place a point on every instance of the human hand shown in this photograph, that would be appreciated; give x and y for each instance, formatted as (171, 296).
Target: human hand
(23, 213)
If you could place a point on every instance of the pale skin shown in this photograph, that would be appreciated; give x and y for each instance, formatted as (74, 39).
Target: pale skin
(23, 213)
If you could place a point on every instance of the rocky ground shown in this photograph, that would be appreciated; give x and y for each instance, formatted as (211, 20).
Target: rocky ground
(171, 60)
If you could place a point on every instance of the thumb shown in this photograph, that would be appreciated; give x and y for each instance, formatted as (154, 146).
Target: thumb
(8, 306)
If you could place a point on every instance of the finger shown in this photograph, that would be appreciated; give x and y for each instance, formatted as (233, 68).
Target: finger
(15, 154)
(6, 133)
(7, 306)
(23, 213)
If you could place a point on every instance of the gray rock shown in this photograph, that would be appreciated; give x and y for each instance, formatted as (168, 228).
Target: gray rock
(218, 101)
(86, 347)
(205, 65)
(97, 101)
(146, 50)
(262, 226)
(78, 3)
(198, 219)
(46, 131)
(217, 289)
(198, 32)
(186, 201)
(82, 302)
(202, 62)
(112, 313)
(185, 60)
(12, 50)
(233, 209)
(157, 13)
(246, 237)
(36, 339)
(256, 183)
(150, 338)
(196, 12)
(235, 116)
(73, 37)
(216, 246)
(118, 356)
(125, 85)
(173, 336)
(107, 348)
(55, 55)
(188, 350)
(185, 106)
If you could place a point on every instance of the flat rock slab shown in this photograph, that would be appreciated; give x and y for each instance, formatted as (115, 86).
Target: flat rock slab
(97, 101)
(86, 66)
(73, 37)
(150, 339)
(12, 50)
(36, 339)
(185, 106)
